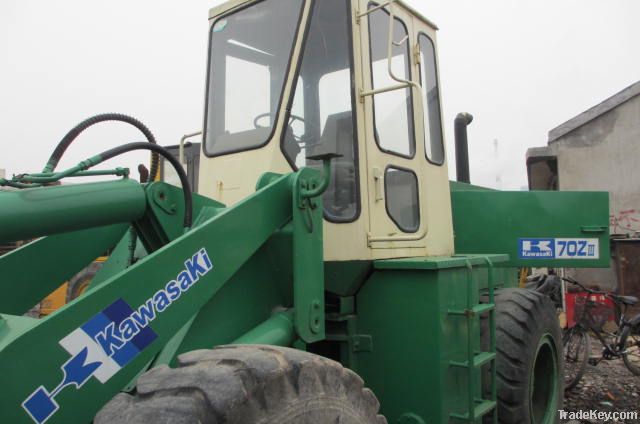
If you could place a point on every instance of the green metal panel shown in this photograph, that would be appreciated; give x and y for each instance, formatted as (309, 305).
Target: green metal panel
(413, 339)
(11, 325)
(164, 220)
(560, 225)
(439, 262)
(458, 186)
(308, 269)
(33, 271)
(345, 278)
(36, 212)
(249, 298)
(230, 238)
(277, 330)
(231, 282)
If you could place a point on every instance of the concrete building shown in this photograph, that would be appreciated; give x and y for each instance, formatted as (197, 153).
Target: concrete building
(599, 150)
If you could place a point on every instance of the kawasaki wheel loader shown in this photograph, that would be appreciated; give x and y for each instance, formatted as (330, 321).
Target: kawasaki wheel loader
(325, 271)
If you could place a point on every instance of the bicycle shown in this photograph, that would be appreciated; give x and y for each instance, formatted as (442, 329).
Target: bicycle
(623, 343)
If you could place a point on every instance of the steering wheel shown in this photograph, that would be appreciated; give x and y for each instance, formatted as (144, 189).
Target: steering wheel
(292, 118)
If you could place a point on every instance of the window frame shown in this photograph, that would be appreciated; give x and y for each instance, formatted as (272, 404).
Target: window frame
(284, 84)
(411, 105)
(352, 73)
(425, 101)
(386, 197)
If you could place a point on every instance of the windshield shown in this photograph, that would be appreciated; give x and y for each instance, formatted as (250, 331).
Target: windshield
(249, 60)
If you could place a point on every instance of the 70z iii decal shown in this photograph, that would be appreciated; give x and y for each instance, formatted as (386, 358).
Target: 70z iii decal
(558, 248)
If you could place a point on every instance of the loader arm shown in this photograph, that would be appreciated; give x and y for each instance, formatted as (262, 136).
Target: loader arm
(64, 367)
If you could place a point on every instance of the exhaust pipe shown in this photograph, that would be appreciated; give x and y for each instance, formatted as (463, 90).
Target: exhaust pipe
(462, 146)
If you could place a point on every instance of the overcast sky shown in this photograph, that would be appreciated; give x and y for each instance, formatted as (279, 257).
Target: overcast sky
(521, 68)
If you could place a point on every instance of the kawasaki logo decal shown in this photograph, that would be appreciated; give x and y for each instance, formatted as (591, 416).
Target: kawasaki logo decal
(558, 248)
(113, 337)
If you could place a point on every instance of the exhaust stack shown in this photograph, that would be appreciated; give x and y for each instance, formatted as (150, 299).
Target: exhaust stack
(462, 146)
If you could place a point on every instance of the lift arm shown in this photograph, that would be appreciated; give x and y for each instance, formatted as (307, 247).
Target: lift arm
(63, 368)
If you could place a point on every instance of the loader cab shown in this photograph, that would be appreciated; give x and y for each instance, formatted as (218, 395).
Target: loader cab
(289, 79)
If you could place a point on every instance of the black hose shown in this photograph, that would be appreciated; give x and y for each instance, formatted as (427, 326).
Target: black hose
(159, 150)
(75, 132)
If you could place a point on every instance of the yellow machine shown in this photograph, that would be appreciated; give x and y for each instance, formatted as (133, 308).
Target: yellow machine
(71, 289)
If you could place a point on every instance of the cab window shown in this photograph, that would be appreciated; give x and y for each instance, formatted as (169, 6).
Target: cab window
(321, 118)
(401, 197)
(433, 144)
(250, 51)
(392, 110)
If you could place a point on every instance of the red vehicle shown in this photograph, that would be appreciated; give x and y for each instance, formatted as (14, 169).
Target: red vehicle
(603, 308)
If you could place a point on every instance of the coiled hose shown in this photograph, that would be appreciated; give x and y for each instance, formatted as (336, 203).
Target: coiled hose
(159, 150)
(78, 129)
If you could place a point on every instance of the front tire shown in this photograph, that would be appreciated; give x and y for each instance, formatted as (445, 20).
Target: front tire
(528, 357)
(246, 384)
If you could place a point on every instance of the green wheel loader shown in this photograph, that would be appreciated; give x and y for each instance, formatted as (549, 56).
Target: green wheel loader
(324, 271)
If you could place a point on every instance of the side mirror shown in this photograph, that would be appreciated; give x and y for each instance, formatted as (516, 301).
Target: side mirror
(326, 177)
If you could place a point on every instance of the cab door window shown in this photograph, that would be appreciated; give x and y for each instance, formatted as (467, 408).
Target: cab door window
(392, 110)
(401, 197)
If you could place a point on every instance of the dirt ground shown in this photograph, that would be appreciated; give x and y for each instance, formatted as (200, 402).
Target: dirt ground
(609, 386)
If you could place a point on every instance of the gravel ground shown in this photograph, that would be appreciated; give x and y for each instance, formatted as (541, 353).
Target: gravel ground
(609, 386)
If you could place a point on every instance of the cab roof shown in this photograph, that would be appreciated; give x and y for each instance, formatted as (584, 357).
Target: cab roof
(232, 4)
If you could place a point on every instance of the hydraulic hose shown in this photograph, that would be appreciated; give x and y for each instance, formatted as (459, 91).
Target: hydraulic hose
(159, 150)
(78, 129)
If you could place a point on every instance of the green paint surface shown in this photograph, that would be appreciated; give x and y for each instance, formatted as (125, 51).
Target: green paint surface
(487, 221)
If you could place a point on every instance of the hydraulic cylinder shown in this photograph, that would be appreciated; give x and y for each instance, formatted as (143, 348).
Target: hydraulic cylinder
(36, 212)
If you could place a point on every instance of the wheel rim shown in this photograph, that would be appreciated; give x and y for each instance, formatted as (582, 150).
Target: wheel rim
(543, 382)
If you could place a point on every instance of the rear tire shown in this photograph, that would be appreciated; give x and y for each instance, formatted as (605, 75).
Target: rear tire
(632, 357)
(246, 384)
(528, 357)
(577, 348)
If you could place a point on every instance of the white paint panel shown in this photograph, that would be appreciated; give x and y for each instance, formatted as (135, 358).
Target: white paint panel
(78, 340)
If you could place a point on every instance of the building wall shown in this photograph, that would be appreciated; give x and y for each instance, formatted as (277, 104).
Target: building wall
(603, 155)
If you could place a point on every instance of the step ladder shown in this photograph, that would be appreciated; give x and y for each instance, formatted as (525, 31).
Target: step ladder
(477, 408)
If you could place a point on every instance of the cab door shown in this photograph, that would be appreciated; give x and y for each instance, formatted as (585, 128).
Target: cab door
(390, 94)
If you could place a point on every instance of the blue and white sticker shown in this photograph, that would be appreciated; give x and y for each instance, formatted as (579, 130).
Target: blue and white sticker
(558, 248)
(113, 338)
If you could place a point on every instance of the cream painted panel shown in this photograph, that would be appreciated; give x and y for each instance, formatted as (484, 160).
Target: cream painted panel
(436, 193)
(231, 178)
(384, 234)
